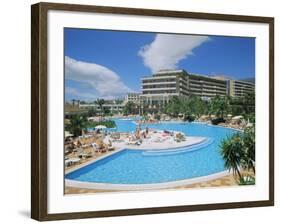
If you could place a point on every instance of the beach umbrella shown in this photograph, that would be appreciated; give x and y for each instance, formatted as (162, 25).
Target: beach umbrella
(100, 127)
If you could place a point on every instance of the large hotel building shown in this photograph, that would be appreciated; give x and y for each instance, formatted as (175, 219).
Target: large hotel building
(161, 86)
(239, 88)
(158, 89)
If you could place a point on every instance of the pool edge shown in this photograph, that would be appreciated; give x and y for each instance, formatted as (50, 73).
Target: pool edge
(131, 187)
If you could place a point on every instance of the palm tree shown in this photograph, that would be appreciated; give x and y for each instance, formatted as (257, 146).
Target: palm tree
(185, 108)
(248, 102)
(219, 105)
(232, 153)
(173, 107)
(244, 105)
(73, 102)
(248, 161)
(92, 112)
(197, 106)
(77, 124)
(130, 108)
(100, 102)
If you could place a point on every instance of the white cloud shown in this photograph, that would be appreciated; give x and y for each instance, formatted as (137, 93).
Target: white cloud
(105, 83)
(76, 93)
(167, 50)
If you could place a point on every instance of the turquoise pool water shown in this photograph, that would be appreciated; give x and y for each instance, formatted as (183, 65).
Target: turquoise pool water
(139, 167)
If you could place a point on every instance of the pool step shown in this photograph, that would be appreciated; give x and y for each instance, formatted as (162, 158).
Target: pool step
(197, 146)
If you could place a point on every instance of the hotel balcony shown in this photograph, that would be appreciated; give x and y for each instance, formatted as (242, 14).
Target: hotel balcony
(159, 83)
(157, 89)
(158, 77)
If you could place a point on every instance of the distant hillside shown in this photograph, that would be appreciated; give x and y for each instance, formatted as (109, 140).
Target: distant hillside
(252, 80)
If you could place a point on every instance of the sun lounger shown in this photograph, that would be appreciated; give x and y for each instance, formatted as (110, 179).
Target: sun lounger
(103, 150)
(94, 145)
(85, 155)
(111, 148)
(131, 142)
(76, 149)
(128, 142)
(72, 161)
(85, 145)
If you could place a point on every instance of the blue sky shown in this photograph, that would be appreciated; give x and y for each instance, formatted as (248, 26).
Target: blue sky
(107, 64)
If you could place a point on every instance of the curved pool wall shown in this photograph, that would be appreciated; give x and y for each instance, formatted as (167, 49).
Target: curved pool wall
(178, 150)
(134, 167)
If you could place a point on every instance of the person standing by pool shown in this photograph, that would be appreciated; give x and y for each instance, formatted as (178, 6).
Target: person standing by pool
(138, 133)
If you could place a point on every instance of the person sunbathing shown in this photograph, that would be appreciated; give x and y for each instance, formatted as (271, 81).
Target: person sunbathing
(100, 147)
(137, 136)
(143, 134)
(73, 145)
(133, 137)
(110, 146)
(79, 144)
(137, 133)
(166, 132)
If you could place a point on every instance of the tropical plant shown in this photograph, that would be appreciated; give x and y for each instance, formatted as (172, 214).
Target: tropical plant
(106, 111)
(197, 106)
(187, 106)
(92, 112)
(219, 106)
(248, 138)
(144, 108)
(173, 107)
(249, 180)
(157, 117)
(218, 120)
(238, 151)
(130, 108)
(77, 124)
(248, 102)
(189, 118)
(145, 116)
(251, 117)
(232, 153)
(100, 103)
(243, 105)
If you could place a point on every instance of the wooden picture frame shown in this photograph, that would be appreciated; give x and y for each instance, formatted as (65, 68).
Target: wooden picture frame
(39, 108)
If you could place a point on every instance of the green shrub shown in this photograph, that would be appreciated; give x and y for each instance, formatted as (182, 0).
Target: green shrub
(238, 151)
(189, 118)
(248, 181)
(157, 117)
(216, 121)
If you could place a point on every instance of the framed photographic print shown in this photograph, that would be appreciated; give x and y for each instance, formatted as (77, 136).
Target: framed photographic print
(138, 111)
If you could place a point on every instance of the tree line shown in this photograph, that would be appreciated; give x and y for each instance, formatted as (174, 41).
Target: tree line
(219, 106)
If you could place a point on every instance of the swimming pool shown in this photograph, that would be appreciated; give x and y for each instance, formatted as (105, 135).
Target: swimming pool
(136, 167)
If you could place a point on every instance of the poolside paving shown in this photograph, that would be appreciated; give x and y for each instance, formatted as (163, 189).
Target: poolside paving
(226, 181)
